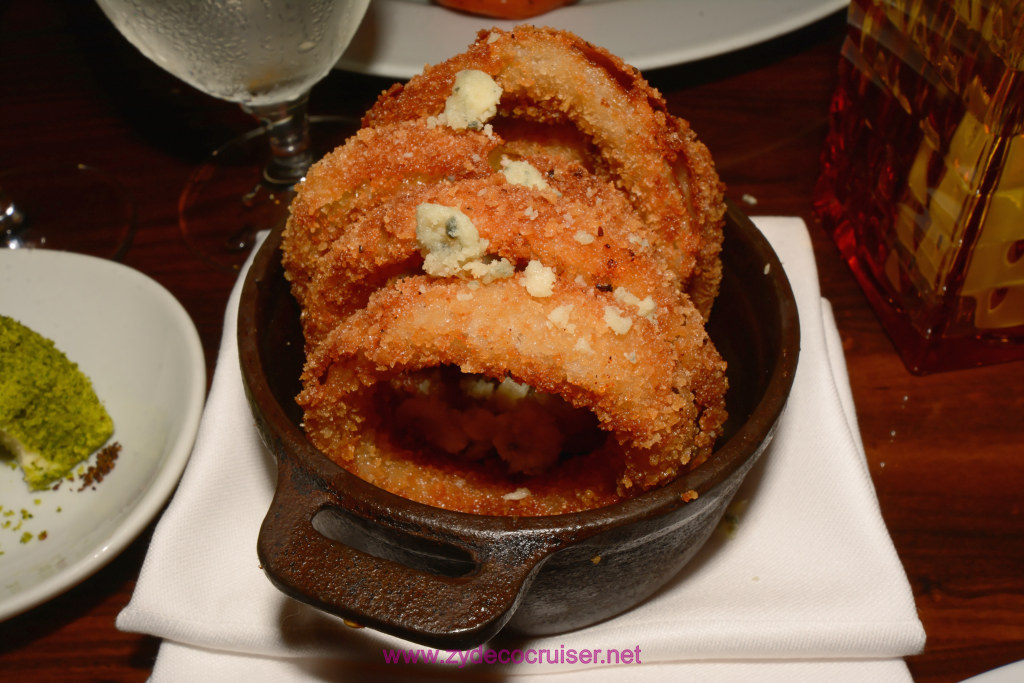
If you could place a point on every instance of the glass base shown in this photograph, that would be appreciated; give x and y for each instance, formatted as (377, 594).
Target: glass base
(227, 201)
(67, 207)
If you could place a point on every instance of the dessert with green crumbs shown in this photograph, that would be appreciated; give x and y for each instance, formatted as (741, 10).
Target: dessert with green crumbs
(50, 416)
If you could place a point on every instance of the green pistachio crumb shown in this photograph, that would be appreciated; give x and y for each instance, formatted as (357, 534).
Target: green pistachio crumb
(50, 416)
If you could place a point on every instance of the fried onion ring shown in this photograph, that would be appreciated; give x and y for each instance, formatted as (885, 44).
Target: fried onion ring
(504, 278)
(371, 164)
(580, 226)
(555, 77)
(629, 380)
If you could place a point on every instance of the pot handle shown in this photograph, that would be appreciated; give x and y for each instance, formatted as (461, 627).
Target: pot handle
(459, 599)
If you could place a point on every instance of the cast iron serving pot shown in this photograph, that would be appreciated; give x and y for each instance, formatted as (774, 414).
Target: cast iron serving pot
(453, 580)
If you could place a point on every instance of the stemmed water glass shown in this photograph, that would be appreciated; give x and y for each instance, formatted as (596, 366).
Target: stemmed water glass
(265, 55)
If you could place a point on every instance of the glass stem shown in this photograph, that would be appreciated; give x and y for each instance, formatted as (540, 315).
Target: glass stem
(287, 126)
(12, 220)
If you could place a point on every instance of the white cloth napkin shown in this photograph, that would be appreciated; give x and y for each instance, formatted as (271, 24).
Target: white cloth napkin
(806, 586)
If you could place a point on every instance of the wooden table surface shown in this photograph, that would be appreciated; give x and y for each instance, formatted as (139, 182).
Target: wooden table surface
(945, 450)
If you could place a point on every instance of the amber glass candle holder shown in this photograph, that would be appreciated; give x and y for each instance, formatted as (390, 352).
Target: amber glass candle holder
(922, 183)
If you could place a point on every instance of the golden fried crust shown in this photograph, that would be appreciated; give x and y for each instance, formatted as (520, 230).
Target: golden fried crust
(554, 77)
(354, 176)
(704, 193)
(631, 381)
(580, 226)
(558, 139)
(577, 286)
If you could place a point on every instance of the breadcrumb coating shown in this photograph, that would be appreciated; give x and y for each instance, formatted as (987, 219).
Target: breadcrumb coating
(507, 316)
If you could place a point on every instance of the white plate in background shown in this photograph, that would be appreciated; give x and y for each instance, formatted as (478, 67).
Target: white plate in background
(398, 37)
(1010, 673)
(143, 354)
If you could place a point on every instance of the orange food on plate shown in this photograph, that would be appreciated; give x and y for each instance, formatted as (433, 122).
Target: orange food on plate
(505, 9)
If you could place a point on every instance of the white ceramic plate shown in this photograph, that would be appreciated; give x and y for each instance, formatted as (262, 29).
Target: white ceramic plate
(1011, 673)
(142, 352)
(397, 37)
